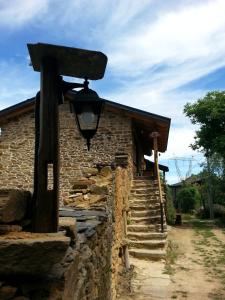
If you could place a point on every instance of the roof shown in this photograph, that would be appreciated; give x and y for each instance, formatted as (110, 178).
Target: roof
(190, 180)
(151, 164)
(144, 122)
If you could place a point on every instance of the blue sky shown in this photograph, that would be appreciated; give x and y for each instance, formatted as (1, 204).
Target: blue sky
(161, 54)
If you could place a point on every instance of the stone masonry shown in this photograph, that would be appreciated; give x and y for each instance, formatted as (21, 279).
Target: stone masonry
(17, 148)
(95, 187)
(144, 231)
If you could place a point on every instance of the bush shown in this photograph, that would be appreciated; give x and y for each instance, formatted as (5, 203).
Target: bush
(219, 212)
(189, 199)
(170, 210)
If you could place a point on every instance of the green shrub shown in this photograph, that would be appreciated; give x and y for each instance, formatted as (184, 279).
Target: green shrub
(170, 210)
(189, 199)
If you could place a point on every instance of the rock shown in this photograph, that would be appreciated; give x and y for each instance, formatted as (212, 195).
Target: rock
(82, 183)
(106, 172)
(7, 292)
(86, 197)
(94, 199)
(9, 228)
(75, 195)
(21, 298)
(25, 253)
(68, 224)
(80, 191)
(121, 159)
(88, 172)
(13, 205)
(73, 201)
(99, 190)
(81, 205)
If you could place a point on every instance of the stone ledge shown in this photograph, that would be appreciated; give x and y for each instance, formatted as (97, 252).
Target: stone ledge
(24, 253)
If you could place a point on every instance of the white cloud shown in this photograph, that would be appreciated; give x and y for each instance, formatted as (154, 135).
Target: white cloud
(154, 47)
(174, 38)
(179, 142)
(15, 13)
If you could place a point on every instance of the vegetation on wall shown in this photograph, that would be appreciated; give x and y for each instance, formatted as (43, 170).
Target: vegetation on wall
(170, 209)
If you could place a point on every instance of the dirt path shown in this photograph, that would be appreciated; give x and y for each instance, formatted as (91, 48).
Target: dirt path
(195, 269)
(192, 278)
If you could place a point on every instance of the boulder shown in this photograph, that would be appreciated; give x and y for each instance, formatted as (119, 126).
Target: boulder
(106, 172)
(13, 205)
(82, 183)
(99, 190)
(9, 228)
(7, 292)
(94, 199)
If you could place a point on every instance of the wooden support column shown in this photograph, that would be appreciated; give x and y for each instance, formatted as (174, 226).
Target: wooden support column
(45, 208)
(155, 136)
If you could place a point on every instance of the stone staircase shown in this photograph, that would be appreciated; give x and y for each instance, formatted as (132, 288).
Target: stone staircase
(144, 229)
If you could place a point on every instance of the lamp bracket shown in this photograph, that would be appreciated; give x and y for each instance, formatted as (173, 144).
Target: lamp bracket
(66, 86)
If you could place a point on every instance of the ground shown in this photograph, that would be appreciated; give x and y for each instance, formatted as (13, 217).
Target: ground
(194, 270)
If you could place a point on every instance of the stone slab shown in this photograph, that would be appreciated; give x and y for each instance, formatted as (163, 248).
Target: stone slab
(69, 225)
(24, 253)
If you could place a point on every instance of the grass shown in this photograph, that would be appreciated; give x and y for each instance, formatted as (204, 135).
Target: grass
(171, 257)
(210, 249)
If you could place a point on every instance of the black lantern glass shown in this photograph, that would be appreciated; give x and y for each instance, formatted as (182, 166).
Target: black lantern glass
(87, 107)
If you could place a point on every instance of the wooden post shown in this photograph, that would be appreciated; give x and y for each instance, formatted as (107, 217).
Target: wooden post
(155, 136)
(155, 145)
(45, 208)
(126, 256)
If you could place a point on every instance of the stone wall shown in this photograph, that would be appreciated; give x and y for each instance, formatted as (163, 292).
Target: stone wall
(17, 148)
(73, 264)
(17, 153)
(97, 181)
(114, 136)
(122, 184)
(83, 261)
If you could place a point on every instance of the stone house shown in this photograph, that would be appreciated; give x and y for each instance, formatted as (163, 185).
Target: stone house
(110, 179)
(123, 131)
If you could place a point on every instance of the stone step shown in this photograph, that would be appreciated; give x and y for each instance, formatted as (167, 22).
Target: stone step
(142, 184)
(142, 190)
(144, 179)
(145, 213)
(146, 220)
(151, 254)
(147, 244)
(141, 228)
(144, 206)
(146, 235)
(143, 197)
(146, 228)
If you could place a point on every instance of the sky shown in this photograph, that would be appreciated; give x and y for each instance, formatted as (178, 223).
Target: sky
(161, 55)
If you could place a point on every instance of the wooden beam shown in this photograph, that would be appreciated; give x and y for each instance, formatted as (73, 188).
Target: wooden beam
(45, 208)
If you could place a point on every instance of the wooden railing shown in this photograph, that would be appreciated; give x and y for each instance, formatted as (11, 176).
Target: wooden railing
(155, 136)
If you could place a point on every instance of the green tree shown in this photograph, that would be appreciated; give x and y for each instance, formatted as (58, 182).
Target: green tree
(189, 198)
(209, 114)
